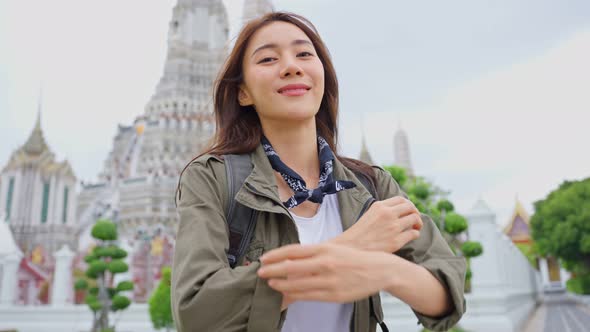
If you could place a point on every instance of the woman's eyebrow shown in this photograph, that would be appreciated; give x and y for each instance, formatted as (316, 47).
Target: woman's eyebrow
(272, 45)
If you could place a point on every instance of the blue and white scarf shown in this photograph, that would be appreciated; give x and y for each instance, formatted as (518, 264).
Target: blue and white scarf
(326, 186)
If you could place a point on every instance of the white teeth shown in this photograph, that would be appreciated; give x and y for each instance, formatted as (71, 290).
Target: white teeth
(293, 90)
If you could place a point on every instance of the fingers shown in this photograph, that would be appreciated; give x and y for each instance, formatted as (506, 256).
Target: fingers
(404, 209)
(401, 206)
(403, 238)
(393, 201)
(288, 268)
(411, 221)
(299, 285)
(292, 251)
(316, 289)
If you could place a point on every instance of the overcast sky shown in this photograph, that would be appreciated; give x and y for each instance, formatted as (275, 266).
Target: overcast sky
(494, 95)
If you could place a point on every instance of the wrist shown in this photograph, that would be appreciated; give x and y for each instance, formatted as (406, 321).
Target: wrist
(344, 240)
(394, 274)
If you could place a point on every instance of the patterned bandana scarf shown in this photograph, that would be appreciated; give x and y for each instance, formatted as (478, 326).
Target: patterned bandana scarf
(326, 186)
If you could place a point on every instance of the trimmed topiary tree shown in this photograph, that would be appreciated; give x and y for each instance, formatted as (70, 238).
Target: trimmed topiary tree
(160, 308)
(431, 200)
(104, 261)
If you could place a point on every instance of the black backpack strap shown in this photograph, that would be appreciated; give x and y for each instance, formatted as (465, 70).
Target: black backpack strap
(367, 183)
(241, 220)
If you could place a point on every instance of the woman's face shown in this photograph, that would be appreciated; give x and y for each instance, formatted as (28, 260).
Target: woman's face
(283, 76)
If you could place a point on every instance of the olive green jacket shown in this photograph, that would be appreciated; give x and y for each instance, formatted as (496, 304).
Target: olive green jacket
(208, 295)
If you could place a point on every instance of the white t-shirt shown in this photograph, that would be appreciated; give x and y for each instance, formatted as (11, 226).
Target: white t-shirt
(307, 316)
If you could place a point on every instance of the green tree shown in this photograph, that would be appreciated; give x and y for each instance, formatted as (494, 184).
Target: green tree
(104, 262)
(159, 303)
(431, 200)
(561, 228)
(398, 173)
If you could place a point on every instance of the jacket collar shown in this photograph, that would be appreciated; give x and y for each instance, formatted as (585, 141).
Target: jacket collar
(260, 190)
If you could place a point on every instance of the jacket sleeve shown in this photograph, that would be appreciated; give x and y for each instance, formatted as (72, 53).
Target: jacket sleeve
(208, 295)
(432, 252)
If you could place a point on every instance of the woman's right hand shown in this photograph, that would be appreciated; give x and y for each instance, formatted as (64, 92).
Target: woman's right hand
(387, 226)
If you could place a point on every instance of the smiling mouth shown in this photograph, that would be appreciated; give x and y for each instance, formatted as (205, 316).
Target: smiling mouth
(294, 92)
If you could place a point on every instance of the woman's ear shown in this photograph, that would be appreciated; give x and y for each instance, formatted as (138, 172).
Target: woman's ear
(244, 97)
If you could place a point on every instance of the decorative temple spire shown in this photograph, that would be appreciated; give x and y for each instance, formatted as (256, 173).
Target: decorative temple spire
(401, 151)
(36, 144)
(197, 37)
(255, 8)
(365, 156)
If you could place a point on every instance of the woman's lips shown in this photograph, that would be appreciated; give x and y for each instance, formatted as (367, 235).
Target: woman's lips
(294, 89)
(293, 92)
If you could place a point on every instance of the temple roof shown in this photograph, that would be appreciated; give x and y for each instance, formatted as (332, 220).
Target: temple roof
(36, 144)
(36, 152)
(481, 208)
(518, 228)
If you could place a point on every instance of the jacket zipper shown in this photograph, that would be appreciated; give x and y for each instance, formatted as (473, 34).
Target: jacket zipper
(354, 320)
(255, 214)
(380, 322)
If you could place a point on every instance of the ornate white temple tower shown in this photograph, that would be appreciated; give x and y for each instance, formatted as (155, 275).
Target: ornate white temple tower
(401, 151)
(38, 198)
(137, 185)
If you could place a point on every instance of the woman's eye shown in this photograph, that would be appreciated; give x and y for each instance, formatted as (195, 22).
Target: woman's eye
(266, 60)
(304, 54)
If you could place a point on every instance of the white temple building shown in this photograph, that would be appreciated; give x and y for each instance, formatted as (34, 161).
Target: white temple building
(38, 197)
(37, 217)
(136, 187)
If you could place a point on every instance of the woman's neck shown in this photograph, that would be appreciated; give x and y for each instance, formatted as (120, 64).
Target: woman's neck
(297, 146)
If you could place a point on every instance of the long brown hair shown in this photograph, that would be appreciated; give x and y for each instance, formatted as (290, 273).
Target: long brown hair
(238, 128)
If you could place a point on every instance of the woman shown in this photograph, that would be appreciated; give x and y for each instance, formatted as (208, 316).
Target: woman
(277, 100)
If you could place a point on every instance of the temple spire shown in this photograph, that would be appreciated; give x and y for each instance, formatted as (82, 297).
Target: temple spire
(197, 37)
(401, 150)
(36, 142)
(365, 156)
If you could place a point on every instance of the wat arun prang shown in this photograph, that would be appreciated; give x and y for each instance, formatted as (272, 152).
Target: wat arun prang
(137, 184)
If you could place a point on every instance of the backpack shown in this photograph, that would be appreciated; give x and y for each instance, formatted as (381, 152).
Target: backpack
(241, 220)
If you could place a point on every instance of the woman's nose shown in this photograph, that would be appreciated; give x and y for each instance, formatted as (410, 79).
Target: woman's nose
(291, 69)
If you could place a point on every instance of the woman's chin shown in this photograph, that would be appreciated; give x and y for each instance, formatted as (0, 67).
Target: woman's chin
(298, 116)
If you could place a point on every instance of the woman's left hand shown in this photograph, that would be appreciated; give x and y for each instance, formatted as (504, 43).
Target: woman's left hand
(327, 272)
